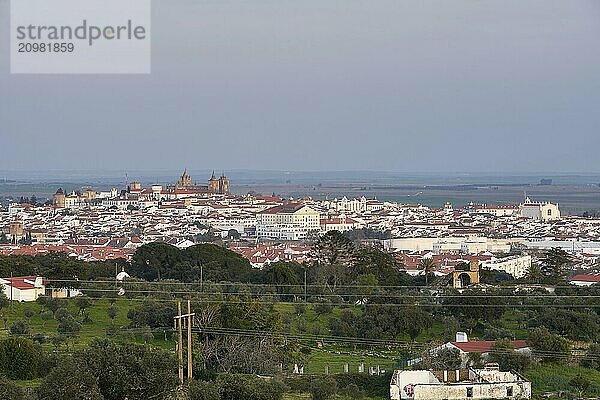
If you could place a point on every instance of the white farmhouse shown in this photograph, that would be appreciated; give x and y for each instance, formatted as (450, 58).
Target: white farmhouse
(23, 288)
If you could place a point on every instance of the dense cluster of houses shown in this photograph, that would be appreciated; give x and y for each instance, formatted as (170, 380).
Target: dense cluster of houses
(112, 224)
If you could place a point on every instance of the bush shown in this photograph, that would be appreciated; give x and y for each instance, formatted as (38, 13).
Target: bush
(352, 391)
(10, 391)
(548, 346)
(19, 358)
(61, 313)
(19, 327)
(202, 390)
(507, 358)
(322, 388)
(249, 387)
(69, 381)
(592, 357)
(324, 308)
(46, 315)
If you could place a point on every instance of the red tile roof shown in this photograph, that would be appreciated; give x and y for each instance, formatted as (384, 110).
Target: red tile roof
(286, 208)
(587, 277)
(485, 346)
(18, 282)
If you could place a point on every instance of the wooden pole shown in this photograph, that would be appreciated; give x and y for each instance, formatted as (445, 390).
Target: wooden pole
(189, 340)
(180, 343)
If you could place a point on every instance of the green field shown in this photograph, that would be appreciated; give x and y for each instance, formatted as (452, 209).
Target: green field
(556, 377)
(544, 377)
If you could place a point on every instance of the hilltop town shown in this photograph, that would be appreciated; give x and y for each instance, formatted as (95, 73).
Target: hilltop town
(92, 226)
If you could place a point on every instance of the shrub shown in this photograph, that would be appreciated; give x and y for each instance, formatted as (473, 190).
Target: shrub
(322, 388)
(249, 387)
(61, 313)
(202, 390)
(10, 391)
(19, 358)
(19, 327)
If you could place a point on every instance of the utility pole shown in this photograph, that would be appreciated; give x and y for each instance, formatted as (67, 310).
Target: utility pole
(189, 340)
(179, 319)
(179, 343)
(305, 283)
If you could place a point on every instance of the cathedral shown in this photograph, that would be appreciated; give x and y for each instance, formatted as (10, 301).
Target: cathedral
(220, 185)
(216, 186)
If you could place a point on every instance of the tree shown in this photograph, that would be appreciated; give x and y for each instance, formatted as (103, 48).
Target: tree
(554, 264)
(19, 327)
(576, 325)
(19, 358)
(46, 316)
(592, 357)
(548, 346)
(61, 313)
(580, 383)
(534, 274)
(83, 302)
(112, 311)
(3, 299)
(155, 261)
(333, 253)
(68, 326)
(147, 335)
(233, 234)
(127, 370)
(386, 268)
(444, 359)
(475, 305)
(152, 260)
(427, 266)
(151, 313)
(71, 379)
(507, 358)
(284, 278)
(475, 359)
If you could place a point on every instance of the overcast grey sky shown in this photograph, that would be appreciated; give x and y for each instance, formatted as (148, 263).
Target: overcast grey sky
(475, 86)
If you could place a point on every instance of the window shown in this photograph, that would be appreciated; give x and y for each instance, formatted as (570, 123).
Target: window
(549, 211)
(509, 391)
(469, 392)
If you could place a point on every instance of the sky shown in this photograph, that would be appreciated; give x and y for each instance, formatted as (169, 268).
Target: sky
(498, 86)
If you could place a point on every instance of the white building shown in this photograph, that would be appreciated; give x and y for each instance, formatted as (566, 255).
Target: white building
(292, 221)
(517, 266)
(342, 224)
(23, 288)
(487, 383)
(497, 210)
(466, 245)
(539, 211)
(466, 346)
